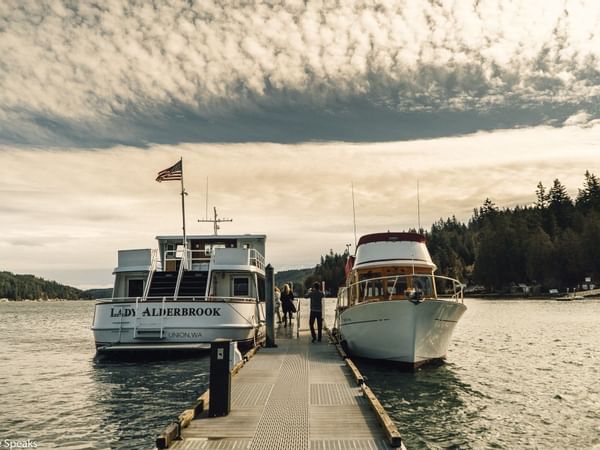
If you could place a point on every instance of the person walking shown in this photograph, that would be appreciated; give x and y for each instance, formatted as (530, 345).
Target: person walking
(316, 311)
(277, 303)
(287, 304)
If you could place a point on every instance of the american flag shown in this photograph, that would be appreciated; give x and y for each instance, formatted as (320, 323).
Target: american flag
(175, 172)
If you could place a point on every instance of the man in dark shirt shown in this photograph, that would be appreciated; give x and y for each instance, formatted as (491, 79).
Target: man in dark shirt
(316, 311)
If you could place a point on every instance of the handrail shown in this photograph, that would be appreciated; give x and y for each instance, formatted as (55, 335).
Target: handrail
(182, 265)
(458, 294)
(162, 317)
(153, 263)
(255, 258)
(137, 317)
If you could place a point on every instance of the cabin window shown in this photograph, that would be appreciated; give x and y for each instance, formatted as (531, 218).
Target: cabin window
(261, 289)
(371, 285)
(396, 286)
(423, 285)
(135, 288)
(209, 248)
(241, 287)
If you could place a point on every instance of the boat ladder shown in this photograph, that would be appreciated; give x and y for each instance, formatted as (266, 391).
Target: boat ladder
(149, 327)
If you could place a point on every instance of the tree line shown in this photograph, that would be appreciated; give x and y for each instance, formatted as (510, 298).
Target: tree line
(551, 244)
(29, 287)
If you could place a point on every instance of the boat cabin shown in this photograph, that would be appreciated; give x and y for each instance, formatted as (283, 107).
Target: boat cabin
(208, 265)
(391, 266)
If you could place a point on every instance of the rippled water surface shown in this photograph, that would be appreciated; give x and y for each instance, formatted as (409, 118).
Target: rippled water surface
(520, 374)
(54, 392)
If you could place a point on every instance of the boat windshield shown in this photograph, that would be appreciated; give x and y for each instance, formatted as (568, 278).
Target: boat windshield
(372, 286)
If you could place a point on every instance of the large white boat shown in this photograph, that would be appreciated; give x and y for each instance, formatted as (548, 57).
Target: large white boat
(390, 309)
(182, 297)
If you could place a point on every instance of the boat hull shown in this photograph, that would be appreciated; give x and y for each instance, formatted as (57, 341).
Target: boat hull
(410, 333)
(181, 325)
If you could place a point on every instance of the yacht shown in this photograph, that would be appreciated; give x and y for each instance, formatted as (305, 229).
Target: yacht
(186, 293)
(393, 307)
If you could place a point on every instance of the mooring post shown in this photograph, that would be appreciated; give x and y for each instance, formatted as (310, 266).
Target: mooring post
(270, 307)
(219, 403)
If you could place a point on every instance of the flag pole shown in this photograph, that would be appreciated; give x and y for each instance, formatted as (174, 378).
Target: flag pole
(183, 193)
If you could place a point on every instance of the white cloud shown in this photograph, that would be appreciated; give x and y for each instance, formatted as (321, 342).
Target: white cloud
(85, 62)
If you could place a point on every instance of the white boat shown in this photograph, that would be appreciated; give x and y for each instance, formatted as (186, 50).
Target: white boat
(183, 297)
(390, 309)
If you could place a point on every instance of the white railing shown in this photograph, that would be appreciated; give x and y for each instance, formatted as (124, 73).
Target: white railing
(171, 255)
(373, 288)
(255, 258)
(139, 323)
(153, 265)
(182, 267)
(182, 299)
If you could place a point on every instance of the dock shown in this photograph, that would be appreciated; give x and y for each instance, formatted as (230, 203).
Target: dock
(298, 395)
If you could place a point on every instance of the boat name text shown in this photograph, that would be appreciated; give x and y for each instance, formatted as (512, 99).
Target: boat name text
(168, 312)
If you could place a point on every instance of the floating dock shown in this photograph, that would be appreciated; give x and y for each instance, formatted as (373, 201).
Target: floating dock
(298, 395)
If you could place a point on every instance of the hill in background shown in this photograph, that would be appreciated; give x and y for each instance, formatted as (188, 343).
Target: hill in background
(295, 277)
(30, 287)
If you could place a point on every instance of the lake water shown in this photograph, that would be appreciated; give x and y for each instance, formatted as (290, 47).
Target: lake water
(520, 374)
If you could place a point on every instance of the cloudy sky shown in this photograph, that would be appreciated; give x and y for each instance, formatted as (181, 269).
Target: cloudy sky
(282, 105)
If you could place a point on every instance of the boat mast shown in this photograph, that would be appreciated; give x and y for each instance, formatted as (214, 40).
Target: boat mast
(216, 221)
(183, 194)
(418, 208)
(353, 212)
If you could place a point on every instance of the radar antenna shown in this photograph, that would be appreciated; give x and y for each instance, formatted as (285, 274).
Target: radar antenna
(215, 221)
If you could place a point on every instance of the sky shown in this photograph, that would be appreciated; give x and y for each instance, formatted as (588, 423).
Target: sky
(283, 106)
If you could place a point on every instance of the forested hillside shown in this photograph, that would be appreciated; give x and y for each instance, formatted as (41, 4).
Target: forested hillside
(551, 243)
(21, 287)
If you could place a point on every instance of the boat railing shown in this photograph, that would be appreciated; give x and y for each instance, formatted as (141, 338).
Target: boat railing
(153, 267)
(184, 256)
(182, 267)
(173, 299)
(255, 258)
(373, 287)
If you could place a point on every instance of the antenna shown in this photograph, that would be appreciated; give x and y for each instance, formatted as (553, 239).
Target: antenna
(418, 208)
(216, 221)
(206, 210)
(353, 212)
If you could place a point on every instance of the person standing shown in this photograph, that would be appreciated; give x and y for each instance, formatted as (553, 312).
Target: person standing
(287, 304)
(316, 311)
(277, 303)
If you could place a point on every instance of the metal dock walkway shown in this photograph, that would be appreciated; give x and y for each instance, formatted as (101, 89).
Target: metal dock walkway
(299, 395)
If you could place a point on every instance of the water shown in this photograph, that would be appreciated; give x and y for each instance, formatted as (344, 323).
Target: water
(53, 391)
(520, 374)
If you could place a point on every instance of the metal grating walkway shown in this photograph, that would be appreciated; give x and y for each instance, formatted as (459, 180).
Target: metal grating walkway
(296, 396)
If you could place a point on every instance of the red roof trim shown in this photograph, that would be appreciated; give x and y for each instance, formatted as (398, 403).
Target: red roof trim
(391, 237)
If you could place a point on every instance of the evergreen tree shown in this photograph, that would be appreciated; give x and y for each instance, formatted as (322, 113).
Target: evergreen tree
(589, 197)
(560, 204)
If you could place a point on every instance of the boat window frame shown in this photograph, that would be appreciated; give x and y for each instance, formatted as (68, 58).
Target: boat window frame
(233, 285)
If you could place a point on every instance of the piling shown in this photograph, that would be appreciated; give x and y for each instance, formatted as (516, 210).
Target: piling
(269, 306)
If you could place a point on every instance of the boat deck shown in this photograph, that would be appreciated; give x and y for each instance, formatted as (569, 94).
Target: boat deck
(299, 395)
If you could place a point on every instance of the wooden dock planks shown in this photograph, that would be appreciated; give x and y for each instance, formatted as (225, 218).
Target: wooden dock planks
(296, 396)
